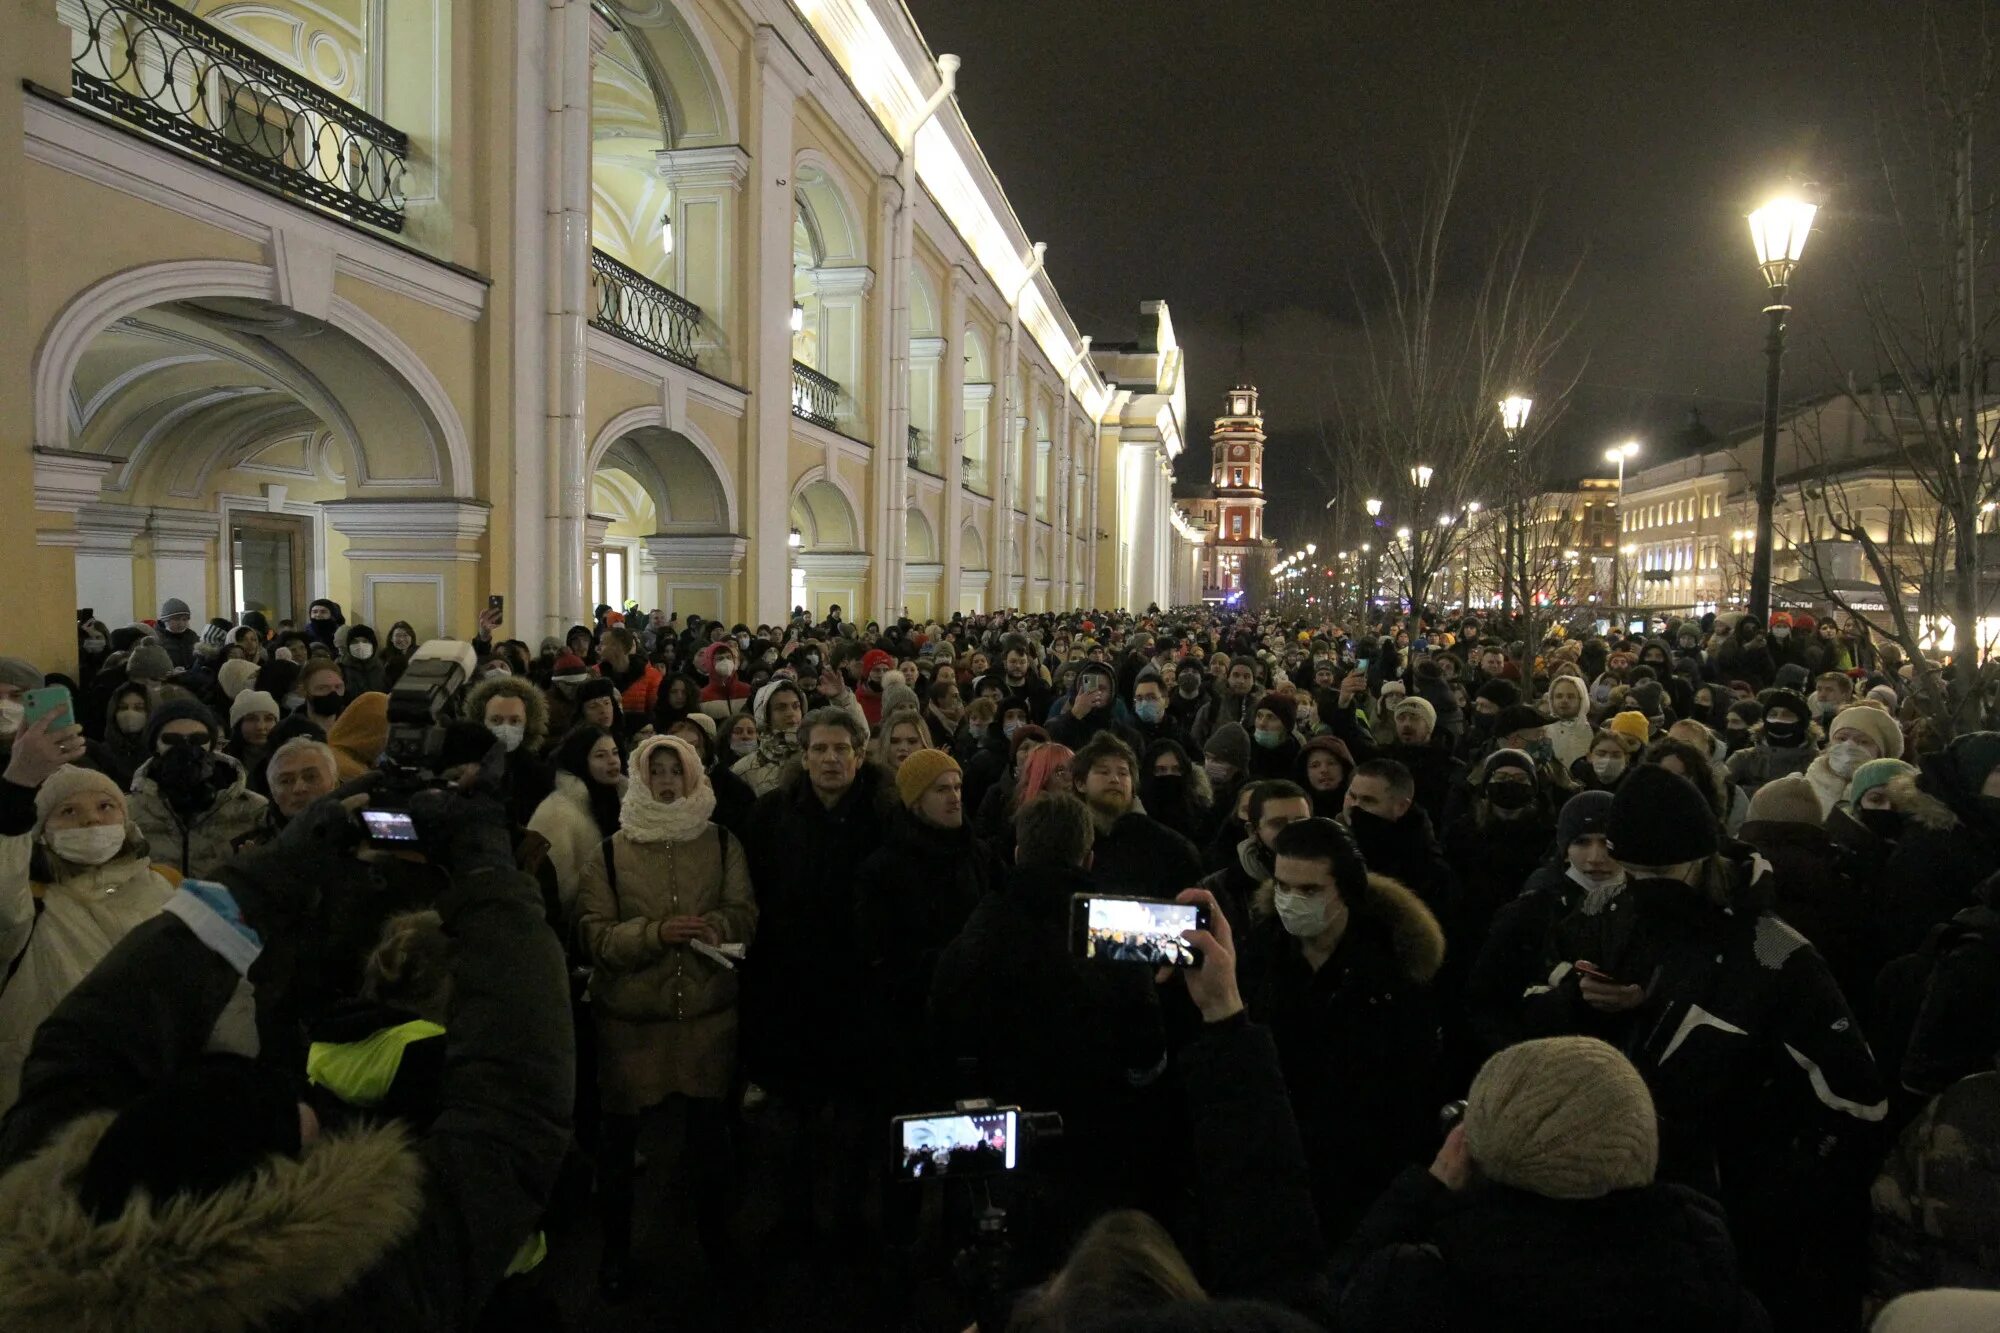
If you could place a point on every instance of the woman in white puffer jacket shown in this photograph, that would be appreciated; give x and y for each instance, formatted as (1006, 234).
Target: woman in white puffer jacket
(62, 911)
(582, 811)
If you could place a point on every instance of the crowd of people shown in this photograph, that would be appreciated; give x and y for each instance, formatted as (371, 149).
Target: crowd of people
(1643, 978)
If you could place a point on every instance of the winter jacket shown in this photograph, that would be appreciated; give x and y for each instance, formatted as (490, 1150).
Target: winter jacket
(1755, 765)
(1139, 855)
(912, 897)
(1937, 1199)
(1743, 1033)
(1950, 844)
(196, 847)
(1515, 959)
(1358, 1039)
(1235, 885)
(635, 975)
(52, 934)
(804, 862)
(1829, 786)
(1570, 739)
(368, 1228)
(723, 699)
(1812, 895)
(638, 685)
(1954, 1024)
(1653, 1260)
(1407, 851)
(1224, 707)
(564, 821)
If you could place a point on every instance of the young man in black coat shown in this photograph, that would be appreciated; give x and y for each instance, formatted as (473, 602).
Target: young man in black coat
(1134, 853)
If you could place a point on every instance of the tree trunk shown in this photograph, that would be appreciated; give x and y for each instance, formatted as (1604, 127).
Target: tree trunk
(1967, 650)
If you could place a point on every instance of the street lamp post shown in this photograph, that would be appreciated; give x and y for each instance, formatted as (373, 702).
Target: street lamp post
(1514, 409)
(1629, 449)
(1779, 230)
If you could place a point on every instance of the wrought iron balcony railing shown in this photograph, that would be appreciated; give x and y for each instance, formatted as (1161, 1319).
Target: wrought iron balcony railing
(632, 306)
(922, 456)
(814, 396)
(158, 68)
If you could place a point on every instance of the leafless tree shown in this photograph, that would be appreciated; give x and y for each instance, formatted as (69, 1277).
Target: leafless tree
(1443, 340)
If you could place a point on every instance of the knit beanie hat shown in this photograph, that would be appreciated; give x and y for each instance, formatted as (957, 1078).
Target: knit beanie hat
(1231, 744)
(174, 606)
(1747, 710)
(1417, 704)
(1507, 759)
(248, 702)
(216, 633)
(1646, 696)
(1788, 800)
(1878, 724)
(1562, 1117)
(1875, 773)
(919, 771)
(1284, 705)
(1974, 755)
(20, 673)
(1792, 676)
(1583, 814)
(179, 710)
(1886, 696)
(149, 661)
(1633, 724)
(1500, 693)
(235, 676)
(702, 720)
(68, 781)
(360, 734)
(1790, 700)
(1658, 818)
(896, 694)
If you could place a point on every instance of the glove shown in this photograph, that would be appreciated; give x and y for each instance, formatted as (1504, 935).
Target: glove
(467, 827)
(282, 879)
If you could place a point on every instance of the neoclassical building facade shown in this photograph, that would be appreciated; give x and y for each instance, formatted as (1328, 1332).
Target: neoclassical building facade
(707, 304)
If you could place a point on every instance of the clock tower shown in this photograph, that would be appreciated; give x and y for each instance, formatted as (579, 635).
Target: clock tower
(1231, 509)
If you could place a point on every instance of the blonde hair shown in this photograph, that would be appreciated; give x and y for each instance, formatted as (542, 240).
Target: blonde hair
(1125, 1262)
(410, 966)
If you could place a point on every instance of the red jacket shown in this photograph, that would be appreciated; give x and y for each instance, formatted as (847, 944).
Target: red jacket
(641, 694)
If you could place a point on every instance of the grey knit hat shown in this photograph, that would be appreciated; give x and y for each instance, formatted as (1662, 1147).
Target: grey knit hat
(1563, 1117)
(20, 673)
(1788, 800)
(1229, 743)
(149, 661)
(236, 676)
(174, 606)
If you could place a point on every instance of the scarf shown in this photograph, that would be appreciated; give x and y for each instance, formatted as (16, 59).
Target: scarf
(642, 818)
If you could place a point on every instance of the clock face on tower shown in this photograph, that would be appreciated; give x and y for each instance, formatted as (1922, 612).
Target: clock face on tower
(1237, 452)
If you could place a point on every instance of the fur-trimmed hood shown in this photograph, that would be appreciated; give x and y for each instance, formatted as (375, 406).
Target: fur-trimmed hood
(1417, 937)
(1907, 797)
(291, 1237)
(536, 703)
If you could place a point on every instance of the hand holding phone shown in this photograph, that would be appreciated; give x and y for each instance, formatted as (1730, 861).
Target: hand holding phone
(52, 702)
(1112, 928)
(1212, 986)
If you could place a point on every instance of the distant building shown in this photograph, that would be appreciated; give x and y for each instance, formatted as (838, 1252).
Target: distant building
(1225, 518)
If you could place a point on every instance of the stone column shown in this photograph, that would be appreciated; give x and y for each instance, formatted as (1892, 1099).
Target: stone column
(950, 445)
(184, 544)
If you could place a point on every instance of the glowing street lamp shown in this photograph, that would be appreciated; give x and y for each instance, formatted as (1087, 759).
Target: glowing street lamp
(1514, 409)
(1778, 230)
(1374, 508)
(1618, 454)
(1421, 474)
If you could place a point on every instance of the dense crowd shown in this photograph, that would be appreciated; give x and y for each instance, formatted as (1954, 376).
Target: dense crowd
(1636, 980)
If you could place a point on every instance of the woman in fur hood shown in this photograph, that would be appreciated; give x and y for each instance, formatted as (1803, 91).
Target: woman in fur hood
(582, 811)
(1338, 963)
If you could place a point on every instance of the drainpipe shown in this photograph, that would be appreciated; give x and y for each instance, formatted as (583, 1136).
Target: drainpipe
(567, 287)
(1011, 408)
(897, 453)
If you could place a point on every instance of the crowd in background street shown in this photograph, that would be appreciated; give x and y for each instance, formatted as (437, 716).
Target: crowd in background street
(1643, 979)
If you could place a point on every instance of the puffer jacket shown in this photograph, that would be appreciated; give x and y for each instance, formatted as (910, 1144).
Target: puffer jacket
(637, 976)
(58, 931)
(197, 848)
(565, 822)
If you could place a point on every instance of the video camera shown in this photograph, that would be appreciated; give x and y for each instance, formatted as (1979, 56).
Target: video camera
(975, 1140)
(426, 697)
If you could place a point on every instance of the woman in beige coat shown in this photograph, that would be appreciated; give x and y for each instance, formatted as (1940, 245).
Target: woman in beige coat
(665, 1009)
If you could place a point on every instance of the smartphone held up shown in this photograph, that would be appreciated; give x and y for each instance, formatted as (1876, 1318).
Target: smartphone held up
(1114, 929)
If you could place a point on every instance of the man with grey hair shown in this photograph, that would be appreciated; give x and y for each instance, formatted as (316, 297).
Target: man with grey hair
(300, 772)
(807, 839)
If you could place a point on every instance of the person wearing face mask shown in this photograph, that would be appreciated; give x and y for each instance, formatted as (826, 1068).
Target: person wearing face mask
(725, 692)
(1854, 737)
(1784, 743)
(741, 737)
(1338, 962)
(323, 687)
(1273, 805)
(174, 632)
(192, 803)
(1809, 885)
(74, 877)
(1609, 758)
(1568, 908)
(1174, 788)
(1496, 843)
(517, 714)
(1769, 1097)
(1881, 798)
(361, 665)
(778, 709)
(1152, 712)
(1950, 841)
(323, 621)
(1274, 749)
(1225, 759)
(124, 746)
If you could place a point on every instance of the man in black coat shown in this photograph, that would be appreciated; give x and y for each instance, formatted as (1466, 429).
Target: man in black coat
(1048, 1030)
(1394, 833)
(1134, 853)
(1274, 804)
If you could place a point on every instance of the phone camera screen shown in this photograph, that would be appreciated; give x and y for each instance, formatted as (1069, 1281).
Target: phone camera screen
(936, 1146)
(389, 825)
(1121, 930)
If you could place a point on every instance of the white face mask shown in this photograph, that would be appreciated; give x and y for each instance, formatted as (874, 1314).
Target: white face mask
(1845, 757)
(93, 645)
(91, 846)
(362, 651)
(1598, 883)
(509, 734)
(1217, 770)
(1606, 767)
(725, 667)
(131, 721)
(1306, 915)
(11, 713)
(743, 746)
(294, 702)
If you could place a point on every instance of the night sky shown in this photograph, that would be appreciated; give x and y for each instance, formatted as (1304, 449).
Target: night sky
(1192, 151)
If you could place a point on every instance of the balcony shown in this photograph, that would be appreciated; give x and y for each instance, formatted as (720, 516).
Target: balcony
(156, 68)
(922, 456)
(633, 307)
(814, 396)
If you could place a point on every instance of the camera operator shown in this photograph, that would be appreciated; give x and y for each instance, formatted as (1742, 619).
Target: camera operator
(271, 1223)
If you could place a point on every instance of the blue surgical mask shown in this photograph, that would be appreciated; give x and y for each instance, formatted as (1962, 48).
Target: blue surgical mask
(1150, 710)
(1270, 740)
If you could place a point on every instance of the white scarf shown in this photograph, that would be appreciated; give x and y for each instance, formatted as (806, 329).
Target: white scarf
(644, 818)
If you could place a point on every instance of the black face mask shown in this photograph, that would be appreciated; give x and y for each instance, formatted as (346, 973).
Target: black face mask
(326, 705)
(1167, 791)
(182, 773)
(1784, 735)
(1886, 824)
(1736, 740)
(1510, 795)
